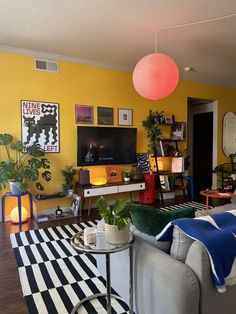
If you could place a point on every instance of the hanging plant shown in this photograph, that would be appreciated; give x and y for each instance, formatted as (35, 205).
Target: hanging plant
(151, 125)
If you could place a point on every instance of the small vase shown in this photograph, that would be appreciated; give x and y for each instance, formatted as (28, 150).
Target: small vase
(115, 236)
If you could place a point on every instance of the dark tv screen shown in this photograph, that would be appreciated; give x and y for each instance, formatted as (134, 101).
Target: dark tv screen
(105, 145)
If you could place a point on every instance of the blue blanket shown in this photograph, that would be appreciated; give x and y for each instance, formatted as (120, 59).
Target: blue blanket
(218, 234)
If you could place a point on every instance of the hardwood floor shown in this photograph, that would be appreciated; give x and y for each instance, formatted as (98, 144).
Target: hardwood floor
(11, 300)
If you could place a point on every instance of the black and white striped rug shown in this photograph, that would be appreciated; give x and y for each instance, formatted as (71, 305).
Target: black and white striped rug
(54, 277)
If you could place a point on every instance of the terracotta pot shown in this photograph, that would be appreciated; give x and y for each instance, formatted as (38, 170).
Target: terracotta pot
(115, 236)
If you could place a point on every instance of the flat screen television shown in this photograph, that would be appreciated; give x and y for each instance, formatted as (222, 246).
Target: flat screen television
(105, 145)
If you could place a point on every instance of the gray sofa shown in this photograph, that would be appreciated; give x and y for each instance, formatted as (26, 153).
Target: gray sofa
(170, 278)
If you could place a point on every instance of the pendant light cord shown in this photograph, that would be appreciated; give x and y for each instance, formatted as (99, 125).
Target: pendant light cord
(197, 22)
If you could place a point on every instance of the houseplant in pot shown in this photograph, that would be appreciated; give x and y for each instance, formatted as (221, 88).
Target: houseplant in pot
(126, 173)
(68, 173)
(19, 167)
(116, 218)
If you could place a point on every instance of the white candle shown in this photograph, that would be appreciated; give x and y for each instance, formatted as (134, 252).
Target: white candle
(89, 235)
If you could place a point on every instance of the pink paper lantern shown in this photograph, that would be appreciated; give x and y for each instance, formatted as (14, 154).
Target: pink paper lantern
(155, 76)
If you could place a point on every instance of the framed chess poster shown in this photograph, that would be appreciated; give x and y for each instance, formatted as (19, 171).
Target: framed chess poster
(40, 125)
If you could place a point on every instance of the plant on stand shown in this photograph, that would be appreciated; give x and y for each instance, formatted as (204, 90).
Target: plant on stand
(21, 167)
(68, 173)
(116, 218)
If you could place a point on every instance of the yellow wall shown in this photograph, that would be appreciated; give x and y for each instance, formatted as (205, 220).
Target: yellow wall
(84, 84)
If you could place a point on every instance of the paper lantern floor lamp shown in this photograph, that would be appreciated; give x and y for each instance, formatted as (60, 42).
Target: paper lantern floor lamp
(155, 76)
(14, 215)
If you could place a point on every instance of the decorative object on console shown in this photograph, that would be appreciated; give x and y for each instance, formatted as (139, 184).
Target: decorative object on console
(155, 76)
(126, 173)
(105, 115)
(84, 178)
(40, 125)
(125, 116)
(98, 181)
(116, 217)
(84, 114)
(22, 167)
(113, 174)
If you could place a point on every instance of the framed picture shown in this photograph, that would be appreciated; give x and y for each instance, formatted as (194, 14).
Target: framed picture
(105, 115)
(83, 114)
(169, 119)
(125, 116)
(40, 125)
(177, 131)
(113, 174)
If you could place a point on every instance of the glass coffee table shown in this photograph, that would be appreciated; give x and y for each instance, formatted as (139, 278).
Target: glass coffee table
(102, 247)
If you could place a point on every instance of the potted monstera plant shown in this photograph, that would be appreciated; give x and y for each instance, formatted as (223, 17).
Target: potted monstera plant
(19, 167)
(116, 218)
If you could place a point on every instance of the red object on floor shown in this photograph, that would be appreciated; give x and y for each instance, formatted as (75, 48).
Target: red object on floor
(147, 196)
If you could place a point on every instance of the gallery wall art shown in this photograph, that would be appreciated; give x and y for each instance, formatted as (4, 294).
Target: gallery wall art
(40, 125)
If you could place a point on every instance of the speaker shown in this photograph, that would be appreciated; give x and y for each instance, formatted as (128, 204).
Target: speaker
(84, 178)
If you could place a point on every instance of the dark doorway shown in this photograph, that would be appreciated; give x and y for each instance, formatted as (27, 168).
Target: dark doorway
(202, 151)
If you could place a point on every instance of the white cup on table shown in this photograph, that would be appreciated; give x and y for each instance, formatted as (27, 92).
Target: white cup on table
(89, 235)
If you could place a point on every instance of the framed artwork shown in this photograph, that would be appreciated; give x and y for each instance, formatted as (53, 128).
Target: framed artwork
(125, 116)
(169, 119)
(105, 115)
(83, 114)
(40, 124)
(113, 174)
(177, 131)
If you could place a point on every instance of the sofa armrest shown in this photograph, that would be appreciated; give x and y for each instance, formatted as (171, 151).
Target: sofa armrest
(211, 300)
(162, 283)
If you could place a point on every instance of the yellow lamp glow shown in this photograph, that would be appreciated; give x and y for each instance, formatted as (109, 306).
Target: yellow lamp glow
(15, 216)
(98, 181)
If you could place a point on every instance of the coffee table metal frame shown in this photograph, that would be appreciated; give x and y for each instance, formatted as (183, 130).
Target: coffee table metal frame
(80, 247)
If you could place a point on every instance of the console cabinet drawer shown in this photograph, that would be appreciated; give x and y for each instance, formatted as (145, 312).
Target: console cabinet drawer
(131, 187)
(100, 191)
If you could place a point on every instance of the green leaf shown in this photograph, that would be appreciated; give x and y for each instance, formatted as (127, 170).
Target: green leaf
(45, 163)
(5, 139)
(47, 175)
(35, 150)
(39, 186)
(18, 146)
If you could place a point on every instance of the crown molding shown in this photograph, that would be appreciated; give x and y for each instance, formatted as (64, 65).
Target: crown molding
(56, 57)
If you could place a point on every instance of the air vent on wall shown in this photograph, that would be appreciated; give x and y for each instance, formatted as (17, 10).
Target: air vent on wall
(46, 65)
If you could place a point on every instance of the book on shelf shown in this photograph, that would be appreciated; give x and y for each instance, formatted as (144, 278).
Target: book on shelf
(164, 183)
(177, 164)
(160, 149)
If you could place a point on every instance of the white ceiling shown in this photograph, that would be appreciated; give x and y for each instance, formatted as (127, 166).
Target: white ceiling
(118, 33)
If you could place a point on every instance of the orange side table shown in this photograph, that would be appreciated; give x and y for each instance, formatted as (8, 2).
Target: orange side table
(215, 194)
